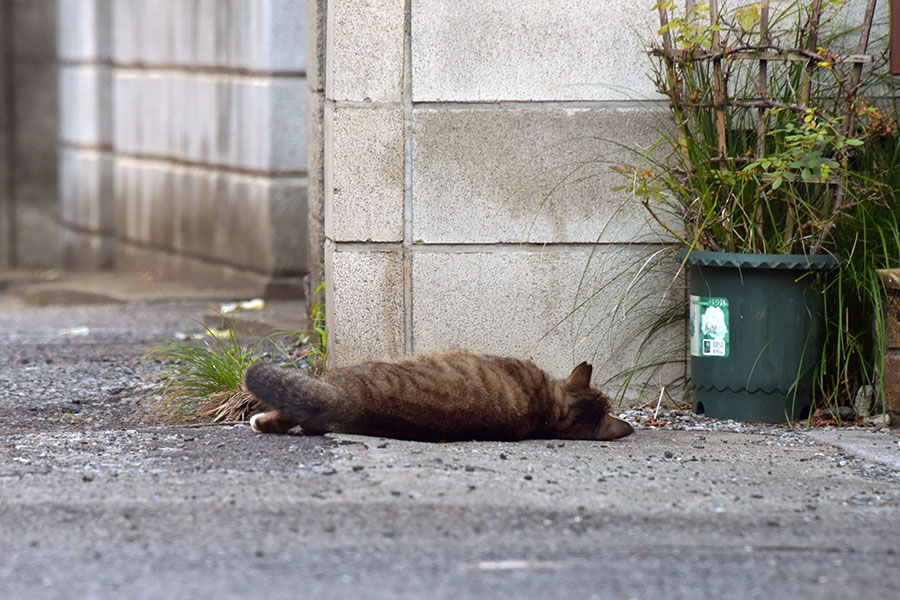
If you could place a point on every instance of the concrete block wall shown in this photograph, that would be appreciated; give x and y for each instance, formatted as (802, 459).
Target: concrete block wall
(467, 197)
(86, 160)
(187, 143)
(28, 134)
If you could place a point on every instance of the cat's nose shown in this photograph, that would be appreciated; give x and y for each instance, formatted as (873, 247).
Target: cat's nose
(614, 428)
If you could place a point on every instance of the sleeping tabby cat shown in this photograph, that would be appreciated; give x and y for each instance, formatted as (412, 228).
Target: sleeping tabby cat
(446, 396)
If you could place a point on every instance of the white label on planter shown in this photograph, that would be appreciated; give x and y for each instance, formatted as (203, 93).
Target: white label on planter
(709, 326)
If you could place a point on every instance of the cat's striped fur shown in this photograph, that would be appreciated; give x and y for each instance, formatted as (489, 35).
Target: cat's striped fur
(454, 395)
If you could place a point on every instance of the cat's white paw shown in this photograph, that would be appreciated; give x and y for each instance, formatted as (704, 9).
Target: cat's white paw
(253, 424)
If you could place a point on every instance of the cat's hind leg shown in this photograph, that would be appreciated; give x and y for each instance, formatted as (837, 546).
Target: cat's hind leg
(270, 422)
(273, 422)
(293, 398)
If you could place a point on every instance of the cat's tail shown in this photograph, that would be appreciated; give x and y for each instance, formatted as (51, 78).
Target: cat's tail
(298, 398)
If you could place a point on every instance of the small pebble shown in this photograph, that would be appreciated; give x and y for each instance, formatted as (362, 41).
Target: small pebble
(685, 419)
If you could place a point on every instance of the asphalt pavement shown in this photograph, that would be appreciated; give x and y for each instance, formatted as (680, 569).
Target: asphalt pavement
(96, 503)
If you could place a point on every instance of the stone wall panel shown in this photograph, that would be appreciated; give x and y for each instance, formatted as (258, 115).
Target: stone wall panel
(365, 305)
(488, 175)
(530, 50)
(255, 35)
(555, 306)
(245, 123)
(364, 174)
(365, 50)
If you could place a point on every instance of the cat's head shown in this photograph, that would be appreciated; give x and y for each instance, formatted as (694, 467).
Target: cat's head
(589, 410)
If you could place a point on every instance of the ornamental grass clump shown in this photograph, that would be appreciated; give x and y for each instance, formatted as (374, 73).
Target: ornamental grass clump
(770, 115)
(202, 379)
(783, 140)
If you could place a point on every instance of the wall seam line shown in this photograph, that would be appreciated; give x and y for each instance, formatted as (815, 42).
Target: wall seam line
(408, 216)
(540, 105)
(203, 166)
(180, 68)
(487, 247)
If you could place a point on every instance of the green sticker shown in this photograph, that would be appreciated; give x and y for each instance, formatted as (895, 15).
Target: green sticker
(709, 327)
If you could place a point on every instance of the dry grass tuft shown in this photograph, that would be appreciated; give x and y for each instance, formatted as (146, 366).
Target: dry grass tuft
(202, 380)
(237, 405)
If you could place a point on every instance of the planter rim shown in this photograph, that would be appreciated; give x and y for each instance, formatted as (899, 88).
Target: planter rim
(807, 262)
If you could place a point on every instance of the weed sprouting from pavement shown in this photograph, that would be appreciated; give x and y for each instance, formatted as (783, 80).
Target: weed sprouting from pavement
(317, 337)
(202, 379)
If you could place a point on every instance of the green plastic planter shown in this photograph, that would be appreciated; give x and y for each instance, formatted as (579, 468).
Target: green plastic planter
(756, 333)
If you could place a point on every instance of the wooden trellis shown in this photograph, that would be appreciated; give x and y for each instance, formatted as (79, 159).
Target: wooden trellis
(765, 53)
(769, 56)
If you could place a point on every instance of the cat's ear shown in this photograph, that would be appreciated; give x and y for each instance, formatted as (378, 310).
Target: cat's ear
(579, 378)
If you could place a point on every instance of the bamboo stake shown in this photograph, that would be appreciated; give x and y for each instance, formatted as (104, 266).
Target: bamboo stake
(800, 108)
(673, 87)
(768, 52)
(856, 71)
(761, 111)
(718, 90)
(849, 123)
(763, 81)
(667, 37)
(895, 37)
(812, 38)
